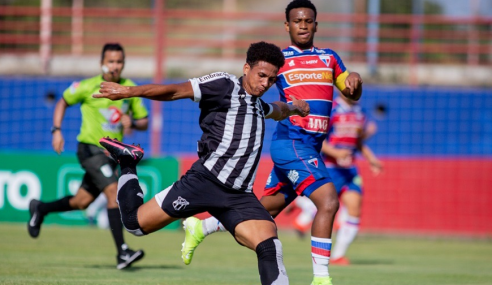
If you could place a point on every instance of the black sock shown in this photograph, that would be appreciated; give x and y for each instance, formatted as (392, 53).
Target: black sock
(270, 262)
(127, 169)
(61, 205)
(116, 227)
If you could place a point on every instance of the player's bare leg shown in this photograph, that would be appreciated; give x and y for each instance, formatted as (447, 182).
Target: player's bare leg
(81, 200)
(274, 204)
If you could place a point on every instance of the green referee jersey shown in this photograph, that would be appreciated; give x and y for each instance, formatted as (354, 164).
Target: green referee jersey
(101, 117)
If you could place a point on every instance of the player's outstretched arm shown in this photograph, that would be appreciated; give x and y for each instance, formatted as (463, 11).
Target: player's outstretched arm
(353, 86)
(283, 110)
(375, 163)
(158, 92)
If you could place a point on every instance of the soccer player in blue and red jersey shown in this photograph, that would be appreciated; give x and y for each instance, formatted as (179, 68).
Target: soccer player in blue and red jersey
(348, 131)
(349, 128)
(309, 73)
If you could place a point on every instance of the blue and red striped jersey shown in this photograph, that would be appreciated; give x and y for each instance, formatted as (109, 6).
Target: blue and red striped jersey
(309, 75)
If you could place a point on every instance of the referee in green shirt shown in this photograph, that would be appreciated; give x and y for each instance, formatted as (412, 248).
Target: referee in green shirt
(100, 118)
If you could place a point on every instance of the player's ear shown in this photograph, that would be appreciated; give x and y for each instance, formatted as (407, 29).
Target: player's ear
(246, 68)
(315, 27)
(286, 25)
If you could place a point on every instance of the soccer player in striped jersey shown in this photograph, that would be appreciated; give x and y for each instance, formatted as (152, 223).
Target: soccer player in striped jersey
(310, 73)
(233, 123)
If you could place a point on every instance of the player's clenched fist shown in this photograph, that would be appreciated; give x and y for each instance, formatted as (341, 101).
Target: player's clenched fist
(301, 105)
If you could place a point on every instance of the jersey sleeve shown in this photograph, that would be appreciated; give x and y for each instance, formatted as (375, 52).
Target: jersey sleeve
(211, 88)
(75, 93)
(340, 81)
(267, 108)
(340, 72)
(139, 111)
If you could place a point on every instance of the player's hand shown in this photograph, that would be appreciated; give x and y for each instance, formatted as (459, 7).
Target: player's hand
(302, 107)
(58, 142)
(112, 91)
(353, 84)
(376, 166)
(126, 122)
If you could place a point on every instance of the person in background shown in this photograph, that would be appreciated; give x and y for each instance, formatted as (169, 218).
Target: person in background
(99, 118)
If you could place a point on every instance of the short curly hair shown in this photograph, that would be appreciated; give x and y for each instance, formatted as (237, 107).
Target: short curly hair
(300, 4)
(263, 51)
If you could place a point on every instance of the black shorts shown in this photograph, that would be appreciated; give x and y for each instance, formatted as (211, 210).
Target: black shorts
(100, 170)
(196, 193)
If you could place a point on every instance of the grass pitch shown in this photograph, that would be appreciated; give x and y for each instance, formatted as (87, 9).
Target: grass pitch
(83, 255)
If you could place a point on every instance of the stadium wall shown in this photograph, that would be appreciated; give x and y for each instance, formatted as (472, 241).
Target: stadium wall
(436, 143)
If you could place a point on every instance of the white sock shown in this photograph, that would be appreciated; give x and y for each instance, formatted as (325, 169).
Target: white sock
(308, 211)
(345, 236)
(342, 214)
(320, 253)
(212, 225)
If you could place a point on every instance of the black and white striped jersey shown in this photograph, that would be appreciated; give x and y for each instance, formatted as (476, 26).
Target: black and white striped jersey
(233, 125)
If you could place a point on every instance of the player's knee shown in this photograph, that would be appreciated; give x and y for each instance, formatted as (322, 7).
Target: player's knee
(130, 222)
(328, 206)
(82, 204)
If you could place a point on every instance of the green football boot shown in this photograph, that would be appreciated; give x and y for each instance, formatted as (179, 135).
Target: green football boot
(322, 281)
(193, 237)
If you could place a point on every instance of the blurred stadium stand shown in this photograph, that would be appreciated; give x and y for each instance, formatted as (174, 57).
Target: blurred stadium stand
(402, 42)
(436, 141)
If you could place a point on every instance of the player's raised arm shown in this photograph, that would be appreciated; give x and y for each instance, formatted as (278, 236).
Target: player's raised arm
(353, 84)
(283, 110)
(158, 92)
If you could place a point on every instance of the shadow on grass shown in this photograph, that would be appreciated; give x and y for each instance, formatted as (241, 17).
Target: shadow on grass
(136, 267)
(372, 262)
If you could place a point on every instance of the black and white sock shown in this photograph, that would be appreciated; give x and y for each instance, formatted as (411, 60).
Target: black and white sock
(270, 262)
(130, 198)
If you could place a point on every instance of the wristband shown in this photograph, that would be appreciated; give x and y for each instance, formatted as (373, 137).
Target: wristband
(54, 129)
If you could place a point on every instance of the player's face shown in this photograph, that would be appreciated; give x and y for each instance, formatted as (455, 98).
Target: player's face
(114, 61)
(259, 78)
(301, 27)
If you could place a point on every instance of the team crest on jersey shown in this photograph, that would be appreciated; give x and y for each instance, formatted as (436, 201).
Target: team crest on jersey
(293, 176)
(325, 59)
(180, 203)
(314, 162)
(74, 86)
